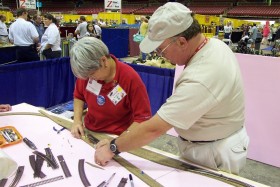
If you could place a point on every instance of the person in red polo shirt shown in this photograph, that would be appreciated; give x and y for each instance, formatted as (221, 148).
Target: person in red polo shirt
(114, 93)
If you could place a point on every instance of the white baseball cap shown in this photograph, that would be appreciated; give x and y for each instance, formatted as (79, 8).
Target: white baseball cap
(168, 20)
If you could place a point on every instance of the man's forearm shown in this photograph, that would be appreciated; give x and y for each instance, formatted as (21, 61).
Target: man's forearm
(134, 124)
(142, 134)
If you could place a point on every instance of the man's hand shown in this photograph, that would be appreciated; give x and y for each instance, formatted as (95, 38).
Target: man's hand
(77, 130)
(103, 154)
(5, 108)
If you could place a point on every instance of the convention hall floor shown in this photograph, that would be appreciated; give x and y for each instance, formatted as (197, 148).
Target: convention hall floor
(256, 171)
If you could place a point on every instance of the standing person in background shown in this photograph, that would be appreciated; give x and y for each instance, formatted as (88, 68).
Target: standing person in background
(97, 29)
(81, 30)
(50, 43)
(265, 33)
(207, 106)
(258, 41)
(115, 95)
(253, 35)
(143, 30)
(91, 31)
(3, 30)
(246, 29)
(227, 30)
(5, 107)
(37, 22)
(24, 35)
(144, 25)
(273, 30)
(277, 33)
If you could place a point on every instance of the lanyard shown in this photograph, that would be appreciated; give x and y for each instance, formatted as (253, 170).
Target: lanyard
(198, 48)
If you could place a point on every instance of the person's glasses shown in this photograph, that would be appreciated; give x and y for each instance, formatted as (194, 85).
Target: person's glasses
(160, 52)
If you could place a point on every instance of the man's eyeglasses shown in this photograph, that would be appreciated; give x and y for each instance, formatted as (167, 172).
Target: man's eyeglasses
(160, 52)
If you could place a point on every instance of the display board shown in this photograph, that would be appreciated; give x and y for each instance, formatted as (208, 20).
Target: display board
(30, 4)
(113, 5)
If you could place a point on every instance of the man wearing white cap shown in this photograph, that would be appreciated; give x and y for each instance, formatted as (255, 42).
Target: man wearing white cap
(207, 106)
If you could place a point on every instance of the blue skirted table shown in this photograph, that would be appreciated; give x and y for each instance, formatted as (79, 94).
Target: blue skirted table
(118, 40)
(41, 83)
(7, 54)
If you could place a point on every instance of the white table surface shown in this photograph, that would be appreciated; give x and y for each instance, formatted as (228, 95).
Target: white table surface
(40, 131)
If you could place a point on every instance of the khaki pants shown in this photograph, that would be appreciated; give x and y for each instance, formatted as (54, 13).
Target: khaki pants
(228, 154)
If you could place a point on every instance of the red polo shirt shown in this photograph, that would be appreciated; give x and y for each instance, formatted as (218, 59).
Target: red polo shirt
(110, 118)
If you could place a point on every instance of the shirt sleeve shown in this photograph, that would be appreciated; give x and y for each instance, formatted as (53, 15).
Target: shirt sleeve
(187, 104)
(98, 30)
(53, 35)
(11, 37)
(78, 91)
(33, 30)
(78, 28)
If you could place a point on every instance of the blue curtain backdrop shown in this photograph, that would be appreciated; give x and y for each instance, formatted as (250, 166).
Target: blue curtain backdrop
(117, 41)
(42, 83)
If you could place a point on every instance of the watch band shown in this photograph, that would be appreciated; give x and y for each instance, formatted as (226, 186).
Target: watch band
(114, 147)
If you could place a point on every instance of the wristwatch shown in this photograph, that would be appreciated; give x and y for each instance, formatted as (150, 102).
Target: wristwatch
(113, 147)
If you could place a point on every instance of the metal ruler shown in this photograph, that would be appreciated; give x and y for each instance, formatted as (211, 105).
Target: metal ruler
(44, 181)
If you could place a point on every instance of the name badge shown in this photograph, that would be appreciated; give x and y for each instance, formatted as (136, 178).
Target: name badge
(93, 87)
(116, 95)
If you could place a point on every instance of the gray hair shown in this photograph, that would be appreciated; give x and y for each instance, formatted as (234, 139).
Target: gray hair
(85, 55)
